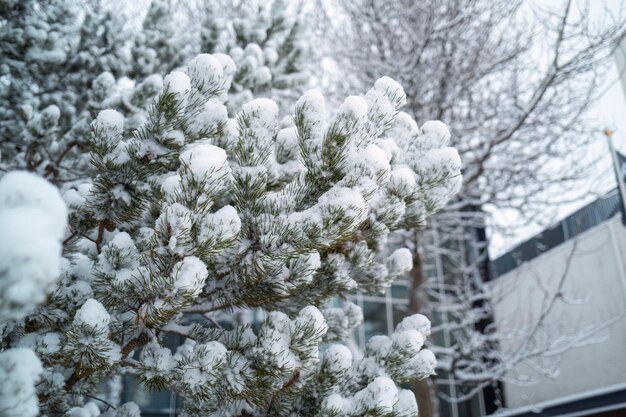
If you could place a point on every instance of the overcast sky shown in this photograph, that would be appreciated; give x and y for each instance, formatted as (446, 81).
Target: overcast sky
(610, 111)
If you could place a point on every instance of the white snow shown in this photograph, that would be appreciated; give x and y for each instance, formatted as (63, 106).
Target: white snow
(379, 345)
(263, 109)
(376, 158)
(381, 393)
(311, 315)
(212, 116)
(417, 322)
(177, 82)
(93, 314)
(392, 90)
(171, 185)
(349, 200)
(313, 105)
(424, 363)
(406, 405)
(20, 189)
(402, 260)
(110, 120)
(435, 160)
(355, 106)
(344, 406)
(33, 219)
(19, 372)
(339, 357)
(227, 63)
(176, 219)
(204, 358)
(157, 359)
(437, 132)
(203, 159)
(402, 176)
(408, 340)
(190, 275)
(224, 224)
(204, 70)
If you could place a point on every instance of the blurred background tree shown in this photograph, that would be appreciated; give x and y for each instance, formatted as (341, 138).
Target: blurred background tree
(515, 81)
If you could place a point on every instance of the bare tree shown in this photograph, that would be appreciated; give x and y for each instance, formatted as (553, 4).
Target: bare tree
(515, 82)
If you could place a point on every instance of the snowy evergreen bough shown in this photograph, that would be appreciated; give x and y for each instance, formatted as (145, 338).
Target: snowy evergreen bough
(195, 216)
(66, 60)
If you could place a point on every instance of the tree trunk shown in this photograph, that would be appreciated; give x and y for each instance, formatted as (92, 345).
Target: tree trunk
(425, 389)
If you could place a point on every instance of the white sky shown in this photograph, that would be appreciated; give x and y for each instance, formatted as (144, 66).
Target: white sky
(610, 111)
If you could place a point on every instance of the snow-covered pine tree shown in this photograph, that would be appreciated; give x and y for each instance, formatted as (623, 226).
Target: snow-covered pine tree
(66, 60)
(268, 42)
(33, 220)
(53, 51)
(195, 213)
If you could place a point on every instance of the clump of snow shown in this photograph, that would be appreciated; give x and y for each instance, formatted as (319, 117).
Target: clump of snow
(222, 225)
(190, 275)
(209, 119)
(408, 340)
(311, 316)
(176, 221)
(436, 133)
(380, 394)
(376, 158)
(129, 409)
(349, 200)
(402, 180)
(20, 369)
(42, 344)
(379, 345)
(392, 90)
(313, 107)
(20, 189)
(355, 107)
(177, 82)
(263, 109)
(401, 260)
(92, 314)
(110, 120)
(338, 404)
(204, 71)
(228, 66)
(406, 405)
(203, 159)
(157, 360)
(33, 218)
(338, 357)
(417, 322)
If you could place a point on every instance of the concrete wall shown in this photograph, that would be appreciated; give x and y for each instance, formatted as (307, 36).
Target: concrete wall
(594, 295)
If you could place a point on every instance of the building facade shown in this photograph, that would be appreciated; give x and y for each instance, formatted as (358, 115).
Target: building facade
(570, 302)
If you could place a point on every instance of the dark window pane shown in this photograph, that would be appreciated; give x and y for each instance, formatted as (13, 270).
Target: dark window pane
(151, 402)
(399, 291)
(400, 311)
(374, 319)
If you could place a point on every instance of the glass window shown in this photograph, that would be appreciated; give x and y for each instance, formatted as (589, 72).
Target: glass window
(399, 291)
(374, 319)
(400, 311)
(160, 402)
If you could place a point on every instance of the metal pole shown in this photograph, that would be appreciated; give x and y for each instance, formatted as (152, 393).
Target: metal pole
(618, 174)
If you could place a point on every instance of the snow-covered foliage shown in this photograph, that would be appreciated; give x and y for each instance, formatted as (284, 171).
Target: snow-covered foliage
(54, 50)
(267, 41)
(19, 371)
(33, 219)
(69, 59)
(475, 64)
(196, 213)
